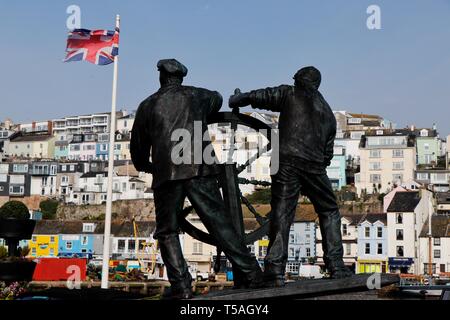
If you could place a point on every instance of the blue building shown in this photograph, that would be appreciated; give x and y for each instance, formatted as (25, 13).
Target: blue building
(302, 239)
(336, 169)
(372, 244)
(76, 245)
(101, 150)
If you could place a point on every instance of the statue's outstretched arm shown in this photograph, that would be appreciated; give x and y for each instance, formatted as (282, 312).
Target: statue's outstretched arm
(268, 99)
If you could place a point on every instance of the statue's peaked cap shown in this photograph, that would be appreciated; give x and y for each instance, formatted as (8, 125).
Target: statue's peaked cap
(308, 77)
(173, 67)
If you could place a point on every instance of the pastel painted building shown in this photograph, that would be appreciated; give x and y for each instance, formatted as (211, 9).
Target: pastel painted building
(337, 167)
(30, 145)
(44, 243)
(428, 146)
(388, 159)
(302, 246)
(61, 150)
(82, 147)
(372, 244)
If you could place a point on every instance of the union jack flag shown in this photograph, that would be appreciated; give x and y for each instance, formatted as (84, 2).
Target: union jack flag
(96, 46)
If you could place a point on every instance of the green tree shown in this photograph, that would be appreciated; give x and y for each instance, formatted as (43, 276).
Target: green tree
(48, 209)
(261, 196)
(14, 209)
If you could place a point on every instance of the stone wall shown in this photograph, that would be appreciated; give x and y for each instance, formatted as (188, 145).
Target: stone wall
(143, 209)
(31, 202)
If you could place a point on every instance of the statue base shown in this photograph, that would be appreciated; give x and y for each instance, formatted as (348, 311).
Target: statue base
(308, 288)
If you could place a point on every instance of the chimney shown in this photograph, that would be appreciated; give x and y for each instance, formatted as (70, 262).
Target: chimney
(434, 126)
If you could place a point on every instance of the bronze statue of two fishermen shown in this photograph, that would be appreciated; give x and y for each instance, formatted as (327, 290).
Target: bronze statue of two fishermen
(307, 129)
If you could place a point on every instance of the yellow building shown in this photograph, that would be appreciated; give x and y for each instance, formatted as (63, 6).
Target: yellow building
(372, 266)
(43, 246)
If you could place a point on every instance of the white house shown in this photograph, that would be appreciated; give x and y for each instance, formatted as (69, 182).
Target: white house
(349, 229)
(372, 244)
(440, 246)
(406, 215)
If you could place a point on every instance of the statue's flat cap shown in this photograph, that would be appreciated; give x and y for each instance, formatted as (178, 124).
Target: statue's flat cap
(173, 67)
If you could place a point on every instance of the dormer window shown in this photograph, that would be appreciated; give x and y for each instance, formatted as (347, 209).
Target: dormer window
(424, 133)
(88, 227)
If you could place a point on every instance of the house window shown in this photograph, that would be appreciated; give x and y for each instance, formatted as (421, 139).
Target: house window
(131, 245)
(367, 248)
(400, 251)
(399, 218)
(198, 248)
(375, 178)
(84, 240)
(375, 154)
(52, 252)
(437, 254)
(437, 241)
(374, 166)
(69, 245)
(397, 153)
(344, 230)
(133, 186)
(397, 165)
(308, 252)
(88, 227)
(379, 232)
(367, 232)
(33, 239)
(398, 178)
(121, 245)
(33, 251)
(291, 252)
(426, 268)
(399, 234)
(348, 249)
(379, 248)
(291, 238)
(52, 239)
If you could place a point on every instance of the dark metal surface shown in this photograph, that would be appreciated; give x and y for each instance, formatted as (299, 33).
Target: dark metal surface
(304, 288)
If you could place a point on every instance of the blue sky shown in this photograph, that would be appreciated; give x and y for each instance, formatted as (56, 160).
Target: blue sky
(400, 72)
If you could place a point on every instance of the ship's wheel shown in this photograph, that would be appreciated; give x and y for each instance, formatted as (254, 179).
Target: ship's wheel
(229, 183)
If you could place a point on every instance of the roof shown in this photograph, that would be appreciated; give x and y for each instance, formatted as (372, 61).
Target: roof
(362, 115)
(440, 227)
(93, 174)
(32, 137)
(374, 217)
(404, 201)
(118, 229)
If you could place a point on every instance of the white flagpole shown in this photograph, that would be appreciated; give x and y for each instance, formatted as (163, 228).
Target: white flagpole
(112, 130)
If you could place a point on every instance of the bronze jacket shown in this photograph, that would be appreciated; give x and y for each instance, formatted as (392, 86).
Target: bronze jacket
(173, 107)
(307, 126)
